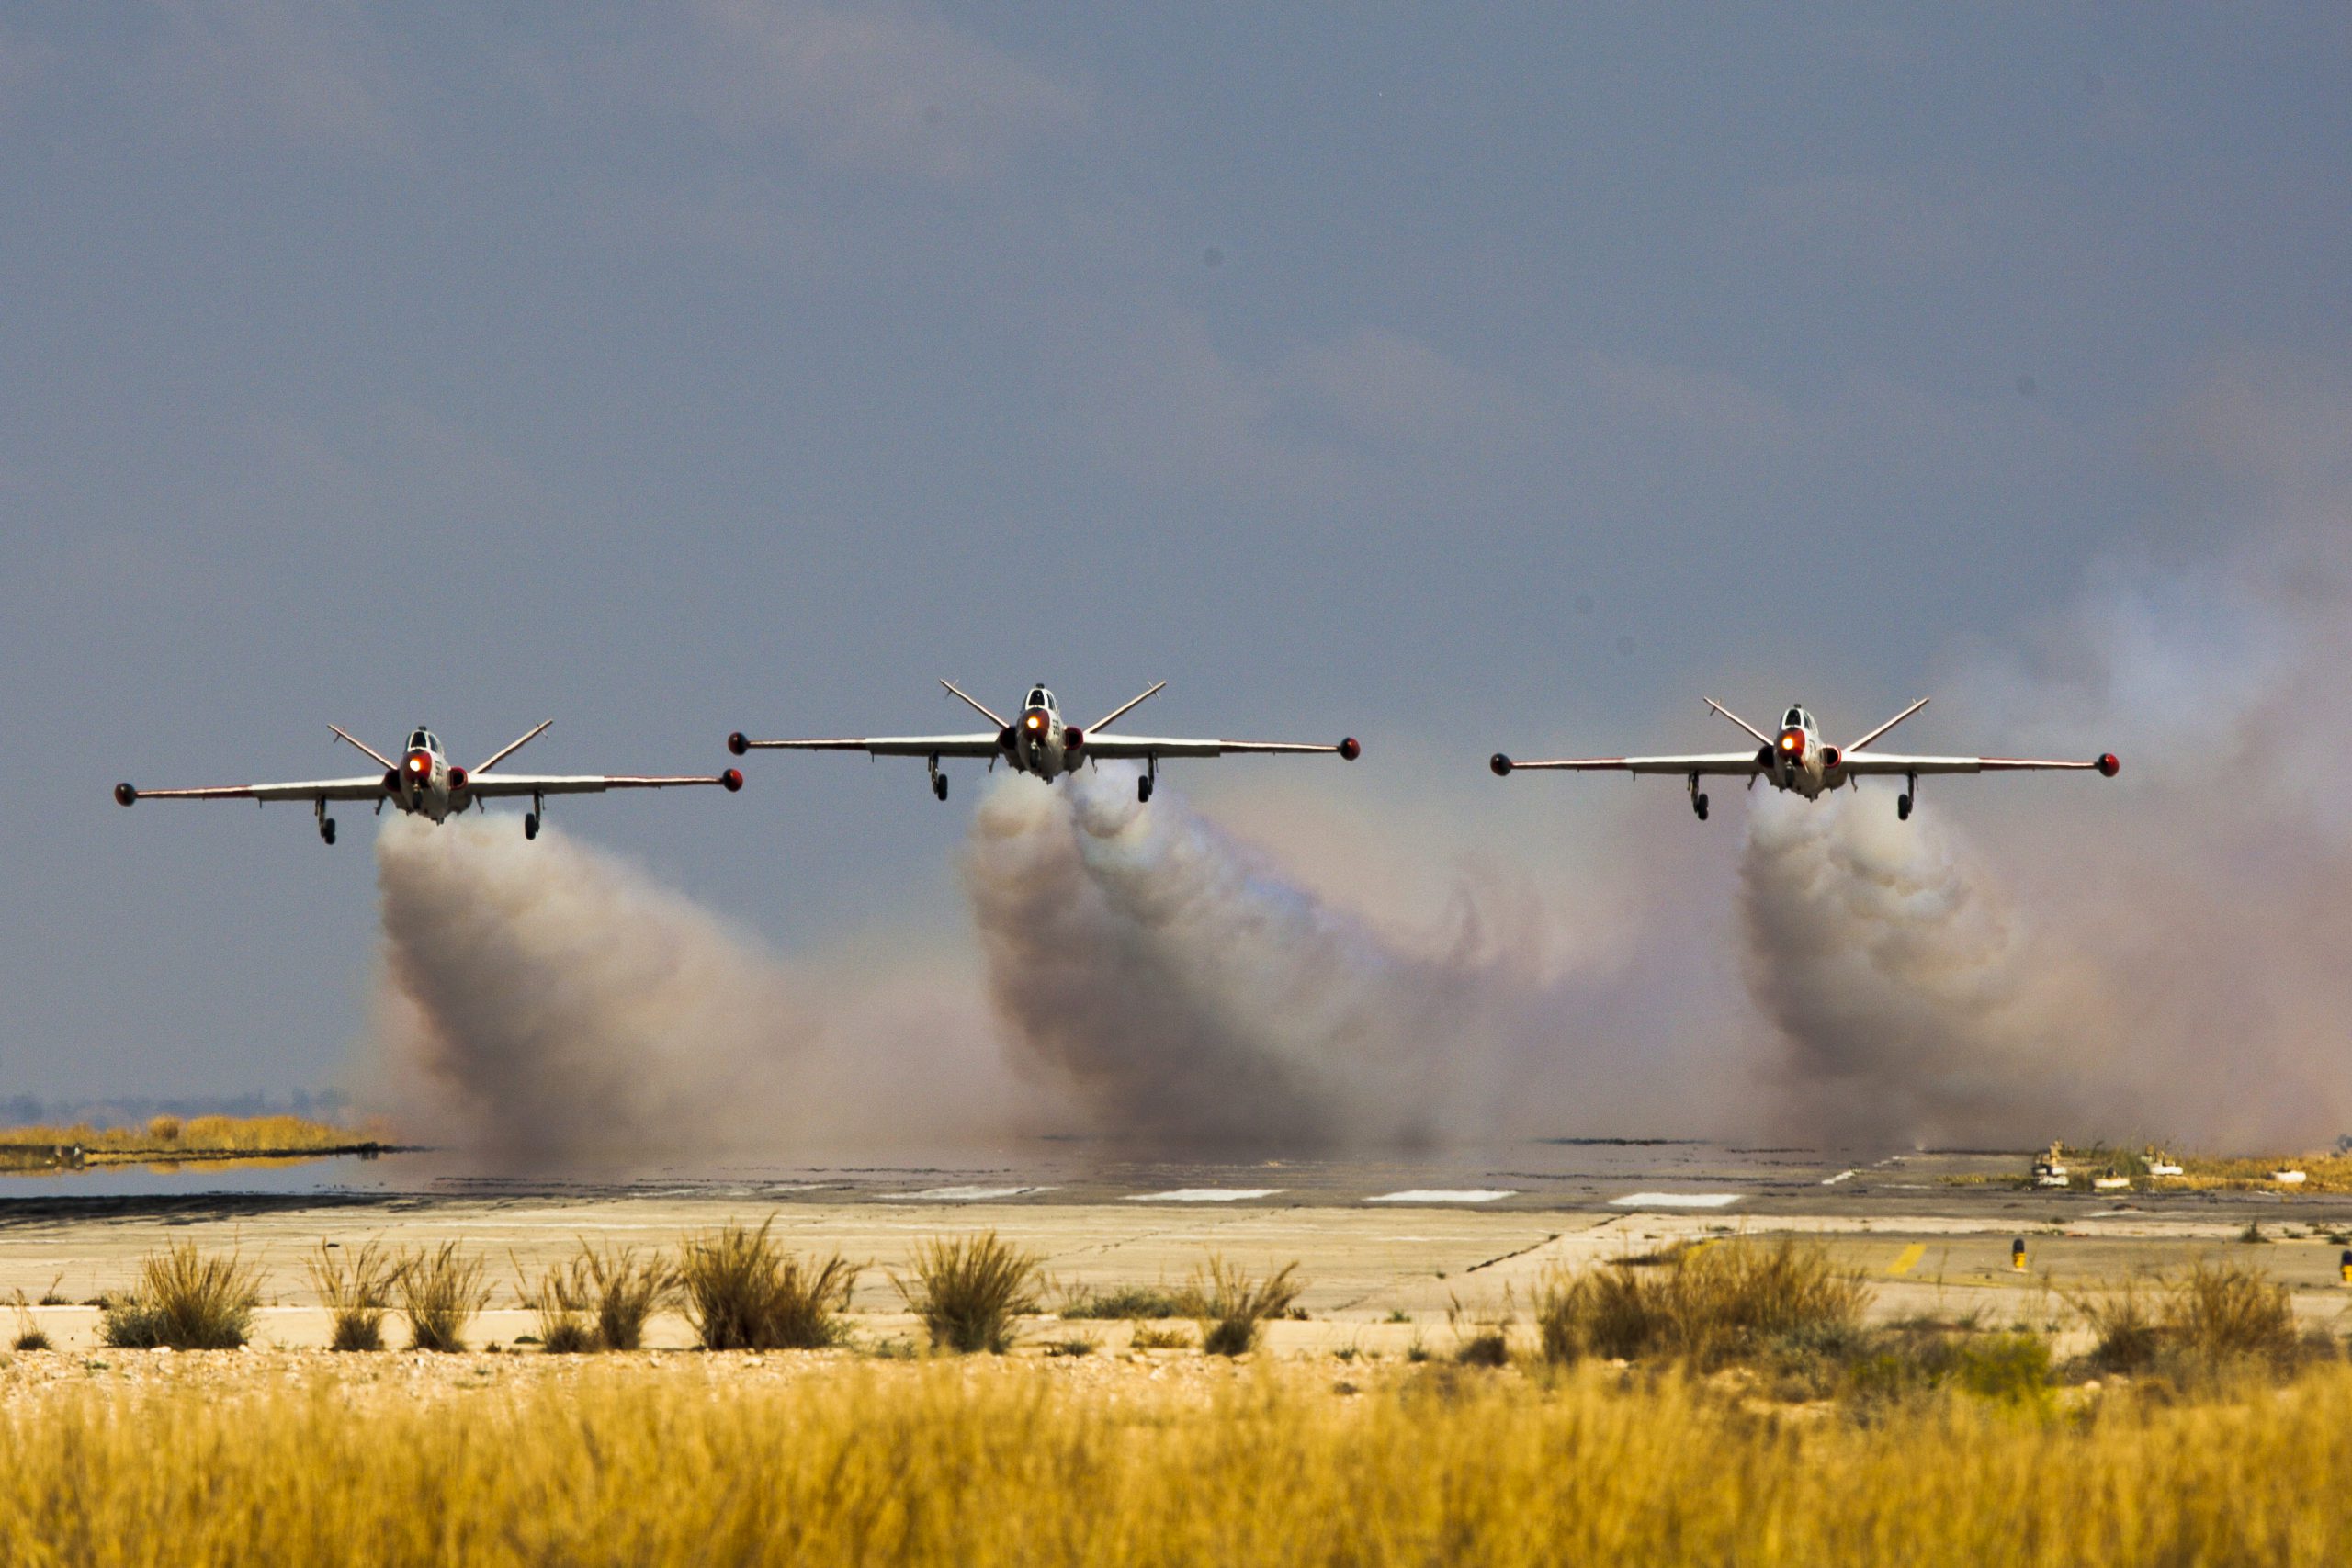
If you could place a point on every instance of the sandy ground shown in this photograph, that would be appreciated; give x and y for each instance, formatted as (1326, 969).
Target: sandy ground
(1365, 1266)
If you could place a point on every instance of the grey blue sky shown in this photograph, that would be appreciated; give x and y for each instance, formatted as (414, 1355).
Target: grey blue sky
(1451, 376)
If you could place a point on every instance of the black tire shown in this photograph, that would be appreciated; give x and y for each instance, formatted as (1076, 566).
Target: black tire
(1699, 804)
(530, 824)
(326, 830)
(939, 787)
(1143, 789)
(1902, 809)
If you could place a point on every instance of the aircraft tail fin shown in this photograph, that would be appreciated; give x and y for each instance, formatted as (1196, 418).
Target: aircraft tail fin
(1889, 724)
(1739, 721)
(342, 733)
(533, 734)
(986, 712)
(1105, 722)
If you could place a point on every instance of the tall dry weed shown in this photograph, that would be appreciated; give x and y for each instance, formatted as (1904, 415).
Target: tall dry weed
(440, 1292)
(969, 1290)
(743, 1291)
(355, 1284)
(1233, 1307)
(187, 1300)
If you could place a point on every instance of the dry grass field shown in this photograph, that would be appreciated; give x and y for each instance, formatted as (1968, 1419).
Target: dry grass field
(825, 1458)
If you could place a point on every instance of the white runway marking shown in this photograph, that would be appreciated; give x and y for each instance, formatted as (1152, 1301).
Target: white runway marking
(1443, 1195)
(1676, 1200)
(1203, 1195)
(1841, 1176)
(965, 1194)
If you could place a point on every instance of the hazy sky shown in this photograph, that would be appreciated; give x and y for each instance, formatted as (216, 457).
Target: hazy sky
(1452, 380)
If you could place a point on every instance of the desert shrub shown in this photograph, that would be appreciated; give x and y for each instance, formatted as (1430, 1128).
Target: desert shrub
(355, 1284)
(1487, 1348)
(163, 1129)
(968, 1291)
(2126, 1332)
(1159, 1340)
(2011, 1369)
(558, 1297)
(745, 1292)
(627, 1291)
(31, 1340)
(1133, 1302)
(1233, 1306)
(1071, 1347)
(187, 1300)
(2227, 1312)
(440, 1290)
(1707, 1306)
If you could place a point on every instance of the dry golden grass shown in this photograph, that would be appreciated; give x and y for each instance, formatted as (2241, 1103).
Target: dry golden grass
(1702, 1305)
(968, 1291)
(1232, 1307)
(439, 1291)
(627, 1291)
(171, 1138)
(355, 1284)
(743, 1291)
(187, 1300)
(985, 1465)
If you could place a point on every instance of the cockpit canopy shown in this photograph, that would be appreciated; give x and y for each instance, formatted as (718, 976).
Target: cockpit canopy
(1041, 698)
(424, 740)
(1797, 719)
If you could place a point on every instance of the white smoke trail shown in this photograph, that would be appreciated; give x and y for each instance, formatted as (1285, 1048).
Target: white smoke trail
(544, 1005)
(1191, 996)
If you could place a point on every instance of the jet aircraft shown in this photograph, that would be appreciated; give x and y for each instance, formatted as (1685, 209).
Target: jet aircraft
(1039, 742)
(423, 783)
(1797, 760)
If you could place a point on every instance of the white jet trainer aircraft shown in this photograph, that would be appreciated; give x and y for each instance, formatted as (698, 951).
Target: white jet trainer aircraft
(1040, 743)
(1797, 760)
(423, 783)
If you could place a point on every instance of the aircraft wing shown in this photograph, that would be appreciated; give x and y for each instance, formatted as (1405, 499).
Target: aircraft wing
(1891, 762)
(1738, 763)
(1112, 747)
(369, 788)
(493, 786)
(880, 744)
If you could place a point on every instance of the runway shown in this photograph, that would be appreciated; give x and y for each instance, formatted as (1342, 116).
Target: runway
(1388, 1246)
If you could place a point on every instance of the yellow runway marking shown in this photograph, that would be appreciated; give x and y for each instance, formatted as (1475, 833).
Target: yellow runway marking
(1911, 1255)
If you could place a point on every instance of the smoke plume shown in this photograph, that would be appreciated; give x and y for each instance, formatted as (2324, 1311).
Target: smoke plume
(543, 1005)
(1192, 997)
(2161, 957)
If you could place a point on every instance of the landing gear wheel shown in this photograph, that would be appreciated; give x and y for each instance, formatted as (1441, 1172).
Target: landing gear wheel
(326, 829)
(1143, 789)
(1902, 809)
(1699, 804)
(939, 786)
(530, 824)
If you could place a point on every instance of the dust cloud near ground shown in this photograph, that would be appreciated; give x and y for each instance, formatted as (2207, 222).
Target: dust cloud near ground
(2167, 957)
(544, 1005)
(1192, 996)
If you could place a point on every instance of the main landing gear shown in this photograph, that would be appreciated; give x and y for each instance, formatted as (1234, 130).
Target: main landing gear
(1903, 801)
(531, 817)
(326, 824)
(1698, 801)
(1143, 785)
(938, 780)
